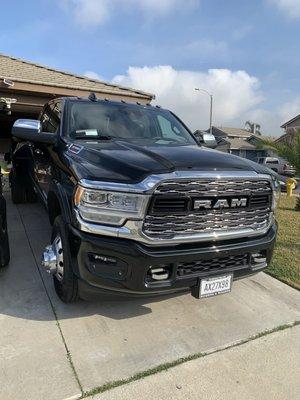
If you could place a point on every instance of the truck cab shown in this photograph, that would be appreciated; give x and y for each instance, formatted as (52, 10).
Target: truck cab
(137, 205)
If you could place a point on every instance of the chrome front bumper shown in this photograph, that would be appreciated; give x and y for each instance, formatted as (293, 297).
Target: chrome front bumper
(133, 230)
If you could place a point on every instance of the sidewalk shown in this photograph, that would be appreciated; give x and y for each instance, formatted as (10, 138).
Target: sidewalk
(263, 369)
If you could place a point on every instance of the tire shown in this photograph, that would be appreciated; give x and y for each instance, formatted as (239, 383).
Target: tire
(18, 188)
(66, 285)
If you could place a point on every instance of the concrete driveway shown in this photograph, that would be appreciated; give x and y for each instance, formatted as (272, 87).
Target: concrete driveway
(49, 350)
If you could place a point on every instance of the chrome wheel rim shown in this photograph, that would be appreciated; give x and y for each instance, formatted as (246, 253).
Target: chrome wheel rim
(58, 249)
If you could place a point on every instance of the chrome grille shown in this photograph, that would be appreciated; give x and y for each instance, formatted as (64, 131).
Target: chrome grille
(168, 219)
(214, 187)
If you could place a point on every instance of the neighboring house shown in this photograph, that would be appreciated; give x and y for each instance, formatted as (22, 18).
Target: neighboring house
(230, 133)
(240, 142)
(25, 87)
(290, 127)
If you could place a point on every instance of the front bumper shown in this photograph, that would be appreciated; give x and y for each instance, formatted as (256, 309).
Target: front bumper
(105, 264)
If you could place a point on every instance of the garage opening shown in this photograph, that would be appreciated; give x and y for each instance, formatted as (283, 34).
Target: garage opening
(26, 86)
(7, 118)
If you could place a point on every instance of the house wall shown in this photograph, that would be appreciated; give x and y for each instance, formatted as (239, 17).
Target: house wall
(288, 136)
(290, 130)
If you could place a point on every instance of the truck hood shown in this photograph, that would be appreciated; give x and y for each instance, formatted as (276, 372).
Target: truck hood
(120, 161)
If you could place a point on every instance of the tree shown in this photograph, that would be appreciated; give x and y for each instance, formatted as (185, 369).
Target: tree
(253, 127)
(290, 152)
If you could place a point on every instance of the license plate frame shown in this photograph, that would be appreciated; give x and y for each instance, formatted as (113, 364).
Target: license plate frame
(214, 286)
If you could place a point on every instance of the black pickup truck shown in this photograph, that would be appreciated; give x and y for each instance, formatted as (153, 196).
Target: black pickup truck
(4, 245)
(138, 206)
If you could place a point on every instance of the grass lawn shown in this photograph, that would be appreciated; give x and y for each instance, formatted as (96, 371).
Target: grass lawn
(285, 265)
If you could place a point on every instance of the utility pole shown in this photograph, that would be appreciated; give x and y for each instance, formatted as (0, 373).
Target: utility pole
(211, 107)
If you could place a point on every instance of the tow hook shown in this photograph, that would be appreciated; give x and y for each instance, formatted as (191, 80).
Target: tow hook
(49, 260)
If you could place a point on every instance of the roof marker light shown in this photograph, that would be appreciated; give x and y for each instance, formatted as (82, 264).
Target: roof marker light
(93, 96)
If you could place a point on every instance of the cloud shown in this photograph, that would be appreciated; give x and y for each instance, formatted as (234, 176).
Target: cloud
(93, 75)
(162, 6)
(290, 7)
(269, 121)
(207, 47)
(88, 13)
(237, 96)
(235, 93)
(93, 13)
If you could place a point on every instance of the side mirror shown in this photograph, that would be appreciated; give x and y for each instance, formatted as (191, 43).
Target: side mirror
(206, 139)
(30, 130)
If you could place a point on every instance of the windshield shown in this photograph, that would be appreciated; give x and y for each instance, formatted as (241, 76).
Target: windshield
(145, 125)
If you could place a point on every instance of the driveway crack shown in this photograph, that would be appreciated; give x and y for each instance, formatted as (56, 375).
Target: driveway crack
(68, 353)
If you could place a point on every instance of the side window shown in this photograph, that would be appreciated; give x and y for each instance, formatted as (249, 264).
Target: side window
(50, 118)
(167, 130)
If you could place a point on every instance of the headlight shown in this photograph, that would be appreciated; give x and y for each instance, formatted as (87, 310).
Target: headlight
(110, 208)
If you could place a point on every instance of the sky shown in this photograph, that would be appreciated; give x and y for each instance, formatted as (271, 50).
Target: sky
(245, 53)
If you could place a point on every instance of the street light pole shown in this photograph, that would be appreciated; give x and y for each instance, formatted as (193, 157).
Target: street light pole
(211, 107)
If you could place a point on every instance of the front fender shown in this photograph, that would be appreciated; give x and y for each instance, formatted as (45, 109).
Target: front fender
(59, 201)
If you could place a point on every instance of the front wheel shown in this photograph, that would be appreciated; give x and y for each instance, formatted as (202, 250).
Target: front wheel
(65, 282)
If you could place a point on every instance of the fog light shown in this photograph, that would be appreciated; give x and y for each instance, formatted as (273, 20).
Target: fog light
(159, 274)
(258, 260)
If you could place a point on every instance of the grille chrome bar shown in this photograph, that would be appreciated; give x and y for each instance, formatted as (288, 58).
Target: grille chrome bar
(170, 229)
(214, 187)
(162, 223)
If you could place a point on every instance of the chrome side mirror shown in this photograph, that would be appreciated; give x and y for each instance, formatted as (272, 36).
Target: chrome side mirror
(206, 139)
(31, 130)
(22, 127)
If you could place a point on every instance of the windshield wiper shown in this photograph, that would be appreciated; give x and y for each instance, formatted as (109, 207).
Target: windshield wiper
(91, 137)
(158, 138)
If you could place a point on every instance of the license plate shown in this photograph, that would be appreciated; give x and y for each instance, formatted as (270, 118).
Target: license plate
(215, 286)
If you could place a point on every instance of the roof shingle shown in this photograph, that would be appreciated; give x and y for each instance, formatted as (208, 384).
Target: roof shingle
(23, 71)
(237, 132)
(239, 143)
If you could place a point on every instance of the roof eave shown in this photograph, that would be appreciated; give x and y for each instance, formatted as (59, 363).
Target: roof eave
(290, 121)
(118, 89)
